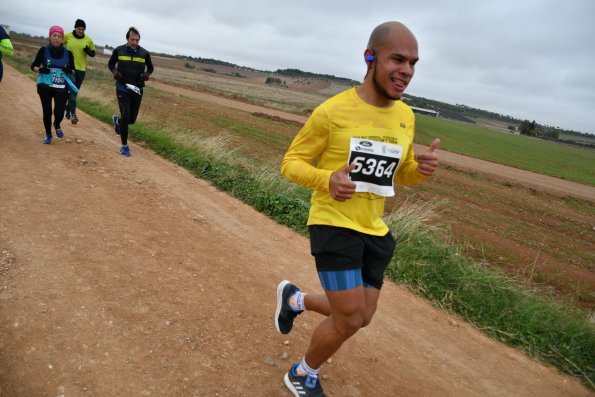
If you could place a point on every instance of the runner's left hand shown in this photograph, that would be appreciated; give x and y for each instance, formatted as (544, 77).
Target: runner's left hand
(428, 161)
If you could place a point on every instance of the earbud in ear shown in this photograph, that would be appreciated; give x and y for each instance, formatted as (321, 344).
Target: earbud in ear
(369, 58)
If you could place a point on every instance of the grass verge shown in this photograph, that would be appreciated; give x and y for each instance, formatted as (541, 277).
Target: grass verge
(547, 330)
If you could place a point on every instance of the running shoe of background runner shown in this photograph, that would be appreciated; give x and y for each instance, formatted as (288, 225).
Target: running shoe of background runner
(116, 121)
(284, 315)
(303, 386)
(67, 115)
(125, 151)
(74, 119)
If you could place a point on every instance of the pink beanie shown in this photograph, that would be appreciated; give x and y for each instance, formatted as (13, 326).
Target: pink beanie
(57, 29)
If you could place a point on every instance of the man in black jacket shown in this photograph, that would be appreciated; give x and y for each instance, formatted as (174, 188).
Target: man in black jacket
(131, 66)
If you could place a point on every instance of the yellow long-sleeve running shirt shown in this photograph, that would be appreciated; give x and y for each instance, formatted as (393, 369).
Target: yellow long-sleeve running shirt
(342, 130)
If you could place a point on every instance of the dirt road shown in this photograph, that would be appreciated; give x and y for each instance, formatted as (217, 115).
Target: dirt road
(130, 277)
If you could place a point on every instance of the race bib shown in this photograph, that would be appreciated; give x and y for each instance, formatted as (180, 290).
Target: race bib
(134, 89)
(57, 78)
(375, 165)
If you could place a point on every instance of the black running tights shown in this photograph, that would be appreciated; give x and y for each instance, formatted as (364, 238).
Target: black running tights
(45, 95)
(129, 103)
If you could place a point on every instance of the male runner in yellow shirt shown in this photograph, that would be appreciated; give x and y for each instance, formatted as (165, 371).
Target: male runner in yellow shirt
(362, 140)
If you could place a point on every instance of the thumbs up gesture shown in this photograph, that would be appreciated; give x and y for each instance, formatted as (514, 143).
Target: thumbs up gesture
(428, 161)
(340, 186)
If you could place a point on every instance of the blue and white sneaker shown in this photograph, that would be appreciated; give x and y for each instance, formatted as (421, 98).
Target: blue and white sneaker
(47, 140)
(116, 121)
(59, 132)
(284, 314)
(302, 386)
(125, 151)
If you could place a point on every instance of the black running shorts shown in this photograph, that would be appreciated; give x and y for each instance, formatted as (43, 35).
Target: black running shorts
(337, 248)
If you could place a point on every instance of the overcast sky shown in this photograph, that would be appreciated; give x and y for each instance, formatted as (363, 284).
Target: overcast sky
(528, 59)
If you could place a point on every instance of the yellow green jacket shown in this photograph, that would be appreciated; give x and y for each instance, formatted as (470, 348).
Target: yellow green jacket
(5, 44)
(77, 47)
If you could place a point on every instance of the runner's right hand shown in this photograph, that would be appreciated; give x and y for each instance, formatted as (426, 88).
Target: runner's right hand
(340, 185)
(117, 74)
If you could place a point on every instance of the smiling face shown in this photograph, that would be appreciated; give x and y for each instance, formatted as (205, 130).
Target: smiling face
(392, 69)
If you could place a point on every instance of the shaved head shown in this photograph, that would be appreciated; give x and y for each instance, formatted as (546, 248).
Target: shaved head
(381, 34)
(390, 59)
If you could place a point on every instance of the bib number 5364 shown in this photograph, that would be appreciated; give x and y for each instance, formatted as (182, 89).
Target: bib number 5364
(374, 167)
(376, 163)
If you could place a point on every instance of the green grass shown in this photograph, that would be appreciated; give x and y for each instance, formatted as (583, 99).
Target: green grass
(543, 157)
(549, 331)
(252, 133)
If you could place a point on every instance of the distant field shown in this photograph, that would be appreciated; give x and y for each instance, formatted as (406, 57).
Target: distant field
(578, 138)
(531, 154)
(544, 157)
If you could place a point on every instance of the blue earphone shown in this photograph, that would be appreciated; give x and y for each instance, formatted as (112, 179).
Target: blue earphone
(370, 58)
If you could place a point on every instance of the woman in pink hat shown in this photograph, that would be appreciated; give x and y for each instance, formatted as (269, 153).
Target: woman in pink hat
(54, 63)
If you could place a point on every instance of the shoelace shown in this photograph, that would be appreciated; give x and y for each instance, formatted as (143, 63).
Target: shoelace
(311, 381)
